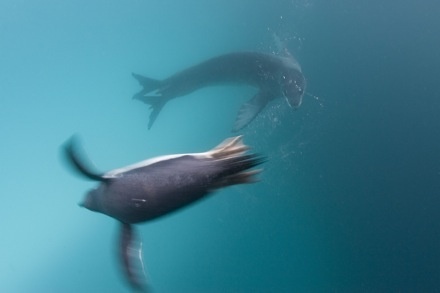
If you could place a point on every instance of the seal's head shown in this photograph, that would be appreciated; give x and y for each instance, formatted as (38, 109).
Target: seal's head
(293, 86)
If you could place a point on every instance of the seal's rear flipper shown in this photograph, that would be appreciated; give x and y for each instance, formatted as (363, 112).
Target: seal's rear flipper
(148, 84)
(250, 110)
(156, 104)
(130, 252)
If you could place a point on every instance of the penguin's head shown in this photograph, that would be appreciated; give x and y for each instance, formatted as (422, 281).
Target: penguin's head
(92, 200)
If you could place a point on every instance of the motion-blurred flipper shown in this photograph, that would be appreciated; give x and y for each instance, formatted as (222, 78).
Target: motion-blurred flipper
(130, 251)
(77, 162)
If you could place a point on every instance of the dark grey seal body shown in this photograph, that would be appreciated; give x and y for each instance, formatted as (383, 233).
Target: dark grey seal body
(274, 76)
(158, 186)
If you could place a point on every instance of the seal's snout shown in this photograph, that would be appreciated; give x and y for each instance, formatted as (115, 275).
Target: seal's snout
(293, 91)
(294, 102)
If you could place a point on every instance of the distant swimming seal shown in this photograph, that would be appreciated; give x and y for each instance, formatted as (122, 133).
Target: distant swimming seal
(274, 76)
(156, 187)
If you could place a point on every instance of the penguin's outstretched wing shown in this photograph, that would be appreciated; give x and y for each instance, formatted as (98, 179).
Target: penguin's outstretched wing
(79, 163)
(130, 254)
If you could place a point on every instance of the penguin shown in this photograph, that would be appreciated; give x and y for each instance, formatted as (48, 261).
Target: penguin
(156, 187)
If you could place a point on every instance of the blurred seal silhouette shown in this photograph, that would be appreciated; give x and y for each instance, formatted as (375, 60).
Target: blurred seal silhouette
(274, 76)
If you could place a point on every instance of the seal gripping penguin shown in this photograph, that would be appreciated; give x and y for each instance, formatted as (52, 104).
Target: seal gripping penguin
(156, 187)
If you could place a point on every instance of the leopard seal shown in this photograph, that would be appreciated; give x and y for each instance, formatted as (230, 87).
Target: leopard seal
(273, 75)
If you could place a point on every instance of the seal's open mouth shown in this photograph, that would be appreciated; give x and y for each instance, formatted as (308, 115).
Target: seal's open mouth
(294, 105)
(294, 101)
(294, 91)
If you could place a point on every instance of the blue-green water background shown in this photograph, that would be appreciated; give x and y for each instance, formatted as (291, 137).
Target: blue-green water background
(349, 200)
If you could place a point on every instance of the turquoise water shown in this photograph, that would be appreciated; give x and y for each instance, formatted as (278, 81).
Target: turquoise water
(349, 198)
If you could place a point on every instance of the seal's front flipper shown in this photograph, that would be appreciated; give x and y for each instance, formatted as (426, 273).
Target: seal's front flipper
(130, 252)
(250, 110)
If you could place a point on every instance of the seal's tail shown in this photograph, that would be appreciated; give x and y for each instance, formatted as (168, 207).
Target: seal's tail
(156, 102)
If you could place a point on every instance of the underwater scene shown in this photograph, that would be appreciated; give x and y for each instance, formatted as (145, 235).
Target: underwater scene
(219, 146)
